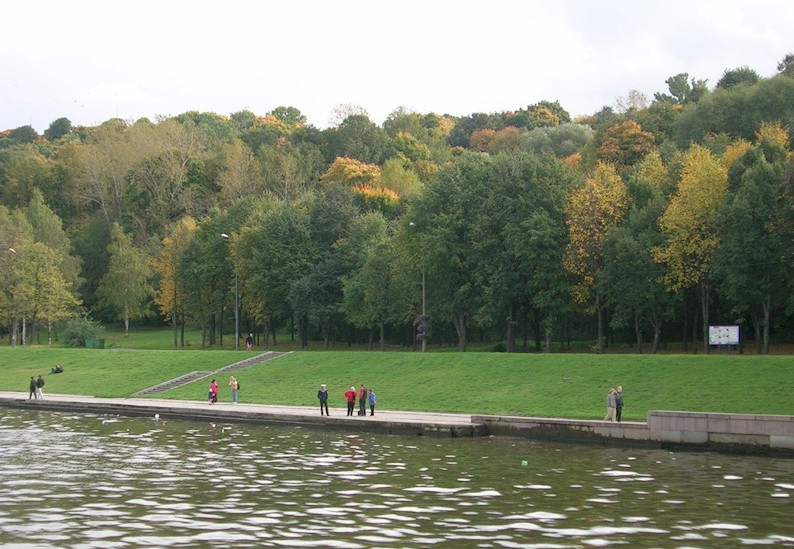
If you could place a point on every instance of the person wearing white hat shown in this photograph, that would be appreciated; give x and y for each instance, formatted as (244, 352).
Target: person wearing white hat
(322, 395)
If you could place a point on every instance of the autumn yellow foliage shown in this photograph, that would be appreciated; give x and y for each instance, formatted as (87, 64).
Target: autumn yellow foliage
(689, 220)
(591, 212)
(350, 172)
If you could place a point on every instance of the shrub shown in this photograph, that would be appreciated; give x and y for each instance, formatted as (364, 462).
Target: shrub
(80, 328)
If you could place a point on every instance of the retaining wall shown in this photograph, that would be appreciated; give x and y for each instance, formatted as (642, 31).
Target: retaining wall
(739, 433)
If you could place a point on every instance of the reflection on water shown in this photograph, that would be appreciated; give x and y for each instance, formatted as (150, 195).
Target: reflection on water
(107, 482)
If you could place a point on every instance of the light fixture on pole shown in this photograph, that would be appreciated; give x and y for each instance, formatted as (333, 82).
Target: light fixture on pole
(236, 305)
(423, 320)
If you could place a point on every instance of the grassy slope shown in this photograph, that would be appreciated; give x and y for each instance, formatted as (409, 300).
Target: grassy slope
(562, 385)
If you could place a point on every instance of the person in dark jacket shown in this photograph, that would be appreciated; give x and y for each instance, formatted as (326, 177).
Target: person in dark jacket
(39, 387)
(362, 401)
(618, 402)
(322, 395)
(33, 388)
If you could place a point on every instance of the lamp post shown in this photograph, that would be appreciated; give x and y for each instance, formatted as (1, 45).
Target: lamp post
(236, 306)
(424, 302)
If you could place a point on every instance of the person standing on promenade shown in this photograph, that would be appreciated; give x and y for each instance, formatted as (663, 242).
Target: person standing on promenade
(611, 403)
(362, 401)
(33, 389)
(39, 387)
(373, 399)
(213, 393)
(235, 385)
(322, 395)
(618, 402)
(350, 396)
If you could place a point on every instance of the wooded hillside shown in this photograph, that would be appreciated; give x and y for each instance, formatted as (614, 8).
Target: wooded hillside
(645, 222)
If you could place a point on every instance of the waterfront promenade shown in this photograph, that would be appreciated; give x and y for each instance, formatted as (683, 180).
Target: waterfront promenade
(740, 433)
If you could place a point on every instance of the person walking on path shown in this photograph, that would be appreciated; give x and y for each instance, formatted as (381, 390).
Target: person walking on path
(235, 385)
(39, 386)
(322, 395)
(213, 394)
(33, 389)
(618, 402)
(611, 404)
(249, 341)
(373, 399)
(362, 401)
(350, 396)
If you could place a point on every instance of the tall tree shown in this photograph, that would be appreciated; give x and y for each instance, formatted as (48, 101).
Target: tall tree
(689, 226)
(592, 211)
(125, 286)
(755, 236)
(170, 295)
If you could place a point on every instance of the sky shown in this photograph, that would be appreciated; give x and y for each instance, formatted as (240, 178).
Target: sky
(90, 61)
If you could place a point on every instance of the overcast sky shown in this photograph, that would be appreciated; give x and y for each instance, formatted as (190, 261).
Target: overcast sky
(91, 61)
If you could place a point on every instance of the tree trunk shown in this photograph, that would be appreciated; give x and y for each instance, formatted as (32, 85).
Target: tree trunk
(600, 310)
(549, 332)
(382, 326)
(126, 321)
(638, 332)
(174, 322)
(767, 308)
(704, 303)
(460, 328)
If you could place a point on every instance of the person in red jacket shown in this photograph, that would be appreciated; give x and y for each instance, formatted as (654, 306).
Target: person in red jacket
(350, 396)
(213, 393)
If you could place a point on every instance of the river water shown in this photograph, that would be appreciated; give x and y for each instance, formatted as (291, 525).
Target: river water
(78, 480)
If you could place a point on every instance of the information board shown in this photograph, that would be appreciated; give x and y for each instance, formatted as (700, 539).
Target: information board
(723, 335)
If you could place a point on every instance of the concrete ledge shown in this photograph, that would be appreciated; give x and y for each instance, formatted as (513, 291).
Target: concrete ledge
(733, 433)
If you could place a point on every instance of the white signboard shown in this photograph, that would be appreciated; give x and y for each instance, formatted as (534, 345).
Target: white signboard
(723, 335)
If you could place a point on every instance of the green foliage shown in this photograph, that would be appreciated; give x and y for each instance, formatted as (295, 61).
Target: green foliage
(79, 328)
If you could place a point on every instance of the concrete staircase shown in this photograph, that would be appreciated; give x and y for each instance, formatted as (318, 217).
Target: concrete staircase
(193, 376)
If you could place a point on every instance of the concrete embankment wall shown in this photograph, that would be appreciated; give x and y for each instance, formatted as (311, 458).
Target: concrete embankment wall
(739, 433)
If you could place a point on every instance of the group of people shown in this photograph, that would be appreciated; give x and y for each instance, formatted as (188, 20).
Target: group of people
(614, 404)
(212, 395)
(365, 396)
(36, 386)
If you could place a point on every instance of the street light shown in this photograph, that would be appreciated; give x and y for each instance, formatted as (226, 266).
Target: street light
(424, 302)
(236, 305)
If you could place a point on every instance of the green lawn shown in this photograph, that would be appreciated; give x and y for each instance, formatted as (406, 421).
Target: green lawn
(558, 385)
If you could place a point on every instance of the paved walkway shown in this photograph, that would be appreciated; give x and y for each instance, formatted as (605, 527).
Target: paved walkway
(383, 420)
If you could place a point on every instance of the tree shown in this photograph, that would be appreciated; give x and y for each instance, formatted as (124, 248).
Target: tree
(521, 205)
(350, 172)
(561, 141)
(58, 128)
(444, 217)
(125, 286)
(755, 236)
(43, 295)
(48, 228)
(786, 66)
(360, 138)
(689, 226)
(289, 115)
(241, 175)
(625, 144)
(170, 295)
(683, 91)
(734, 77)
(592, 211)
